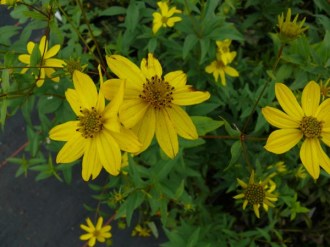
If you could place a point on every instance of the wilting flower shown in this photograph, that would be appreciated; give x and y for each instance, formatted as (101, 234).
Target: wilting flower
(165, 17)
(97, 134)
(290, 30)
(152, 103)
(95, 233)
(310, 121)
(141, 231)
(219, 68)
(46, 62)
(257, 194)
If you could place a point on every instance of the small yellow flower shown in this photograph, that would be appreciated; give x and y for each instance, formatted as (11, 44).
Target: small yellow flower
(95, 233)
(219, 68)
(47, 63)
(97, 134)
(164, 17)
(290, 30)
(141, 231)
(257, 194)
(279, 167)
(152, 102)
(73, 64)
(310, 121)
(301, 172)
(325, 89)
(223, 49)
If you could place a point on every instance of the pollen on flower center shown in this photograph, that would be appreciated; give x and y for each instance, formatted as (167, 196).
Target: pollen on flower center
(90, 123)
(164, 19)
(157, 92)
(255, 194)
(311, 127)
(220, 64)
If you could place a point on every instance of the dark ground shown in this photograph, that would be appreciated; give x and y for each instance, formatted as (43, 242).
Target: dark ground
(46, 213)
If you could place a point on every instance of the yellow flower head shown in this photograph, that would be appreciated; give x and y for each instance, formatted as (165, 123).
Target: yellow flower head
(97, 134)
(46, 63)
(220, 68)
(95, 233)
(164, 17)
(152, 102)
(224, 52)
(310, 122)
(141, 231)
(325, 89)
(290, 30)
(257, 194)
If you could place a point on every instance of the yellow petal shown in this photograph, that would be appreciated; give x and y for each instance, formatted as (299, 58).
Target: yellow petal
(64, 132)
(326, 138)
(43, 45)
(223, 77)
(177, 79)
(49, 73)
(99, 223)
(90, 224)
(231, 71)
(241, 183)
(239, 196)
(288, 101)
(324, 159)
(30, 47)
(182, 122)
(190, 97)
(112, 124)
(109, 153)
(24, 58)
(281, 141)
(309, 155)
(132, 111)
(145, 129)
(171, 21)
(86, 236)
(279, 119)
(112, 108)
(54, 62)
(90, 159)
(245, 203)
(127, 140)
(156, 24)
(310, 98)
(256, 210)
(52, 51)
(86, 228)
(92, 242)
(86, 89)
(166, 134)
(151, 67)
(125, 69)
(322, 113)
(74, 101)
(41, 78)
(72, 150)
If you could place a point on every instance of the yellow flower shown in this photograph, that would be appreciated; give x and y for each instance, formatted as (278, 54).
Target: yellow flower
(95, 233)
(9, 2)
(152, 103)
(290, 30)
(46, 63)
(223, 50)
(310, 121)
(279, 167)
(301, 172)
(164, 18)
(257, 194)
(325, 89)
(219, 67)
(97, 134)
(141, 231)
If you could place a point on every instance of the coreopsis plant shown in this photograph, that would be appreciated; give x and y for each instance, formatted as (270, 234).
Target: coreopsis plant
(310, 122)
(95, 233)
(97, 135)
(165, 17)
(153, 103)
(46, 61)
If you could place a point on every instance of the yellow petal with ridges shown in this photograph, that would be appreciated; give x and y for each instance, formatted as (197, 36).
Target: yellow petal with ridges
(189, 97)
(131, 112)
(288, 101)
(281, 141)
(112, 108)
(54, 62)
(64, 132)
(74, 101)
(127, 140)
(279, 119)
(166, 135)
(322, 113)
(90, 159)
(145, 129)
(151, 67)
(109, 153)
(72, 149)
(309, 155)
(125, 69)
(326, 138)
(182, 122)
(86, 89)
(177, 79)
(256, 210)
(52, 51)
(310, 98)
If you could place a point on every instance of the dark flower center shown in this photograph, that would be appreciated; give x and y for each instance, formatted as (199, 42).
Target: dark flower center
(311, 127)
(255, 194)
(157, 92)
(90, 123)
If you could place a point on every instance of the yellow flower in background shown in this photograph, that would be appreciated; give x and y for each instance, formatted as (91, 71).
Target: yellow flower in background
(97, 134)
(46, 60)
(219, 68)
(165, 17)
(290, 30)
(310, 121)
(226, 56)
(95, 233)
(9, 2)
(325, 89)
(141, 231)
(257, 194)
(152, 103)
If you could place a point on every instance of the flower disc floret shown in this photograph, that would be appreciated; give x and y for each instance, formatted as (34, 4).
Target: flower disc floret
(311, 127)
(255, 194)
(90, 123)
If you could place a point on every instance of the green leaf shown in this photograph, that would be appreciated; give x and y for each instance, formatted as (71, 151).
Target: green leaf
(114, 10)
(236, 151)
(48, 104)
(6, 33)
(133, 201)
(205, 45)
(189, 42)
(152, 226)
(193, 239)
(206, 124)
(35, 15)
(132, 16)
(180, 190)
